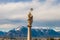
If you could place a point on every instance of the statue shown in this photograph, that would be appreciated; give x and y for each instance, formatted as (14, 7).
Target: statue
(30, 18)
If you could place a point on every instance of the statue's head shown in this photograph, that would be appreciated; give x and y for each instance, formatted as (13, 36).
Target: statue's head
(31, 9)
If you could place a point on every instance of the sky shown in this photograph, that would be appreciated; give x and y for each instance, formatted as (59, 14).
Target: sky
(13, 13)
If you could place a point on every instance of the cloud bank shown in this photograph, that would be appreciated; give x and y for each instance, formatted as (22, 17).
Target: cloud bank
(13, 12)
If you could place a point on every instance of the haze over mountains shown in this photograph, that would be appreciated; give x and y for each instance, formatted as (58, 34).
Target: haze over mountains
(22, 32)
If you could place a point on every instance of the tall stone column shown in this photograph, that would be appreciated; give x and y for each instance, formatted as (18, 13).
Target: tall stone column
(30, 20)
(29, 33)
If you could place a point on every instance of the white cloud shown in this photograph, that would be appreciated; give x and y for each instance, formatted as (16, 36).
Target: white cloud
(44, 11)
(6, 25)
(40, 27)
(19, 10)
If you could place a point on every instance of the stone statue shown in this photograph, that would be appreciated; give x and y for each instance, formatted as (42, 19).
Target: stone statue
(30, 18)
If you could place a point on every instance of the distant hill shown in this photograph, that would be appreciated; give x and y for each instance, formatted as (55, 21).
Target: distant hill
(22, 32)
(3, 34)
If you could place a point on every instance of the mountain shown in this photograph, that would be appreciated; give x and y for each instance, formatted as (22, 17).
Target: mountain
(18, 32)
(22, 32)
(2, 34)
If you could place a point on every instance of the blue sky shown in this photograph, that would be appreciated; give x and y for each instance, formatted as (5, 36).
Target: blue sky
(14, 0)
(13, 13)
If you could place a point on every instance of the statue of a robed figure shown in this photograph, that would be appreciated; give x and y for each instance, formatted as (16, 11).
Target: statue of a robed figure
(30, 21)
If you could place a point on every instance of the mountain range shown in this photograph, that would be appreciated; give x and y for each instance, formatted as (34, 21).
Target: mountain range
(22, 32)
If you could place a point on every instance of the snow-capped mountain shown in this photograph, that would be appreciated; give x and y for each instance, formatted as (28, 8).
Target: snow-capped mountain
(22, 32)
